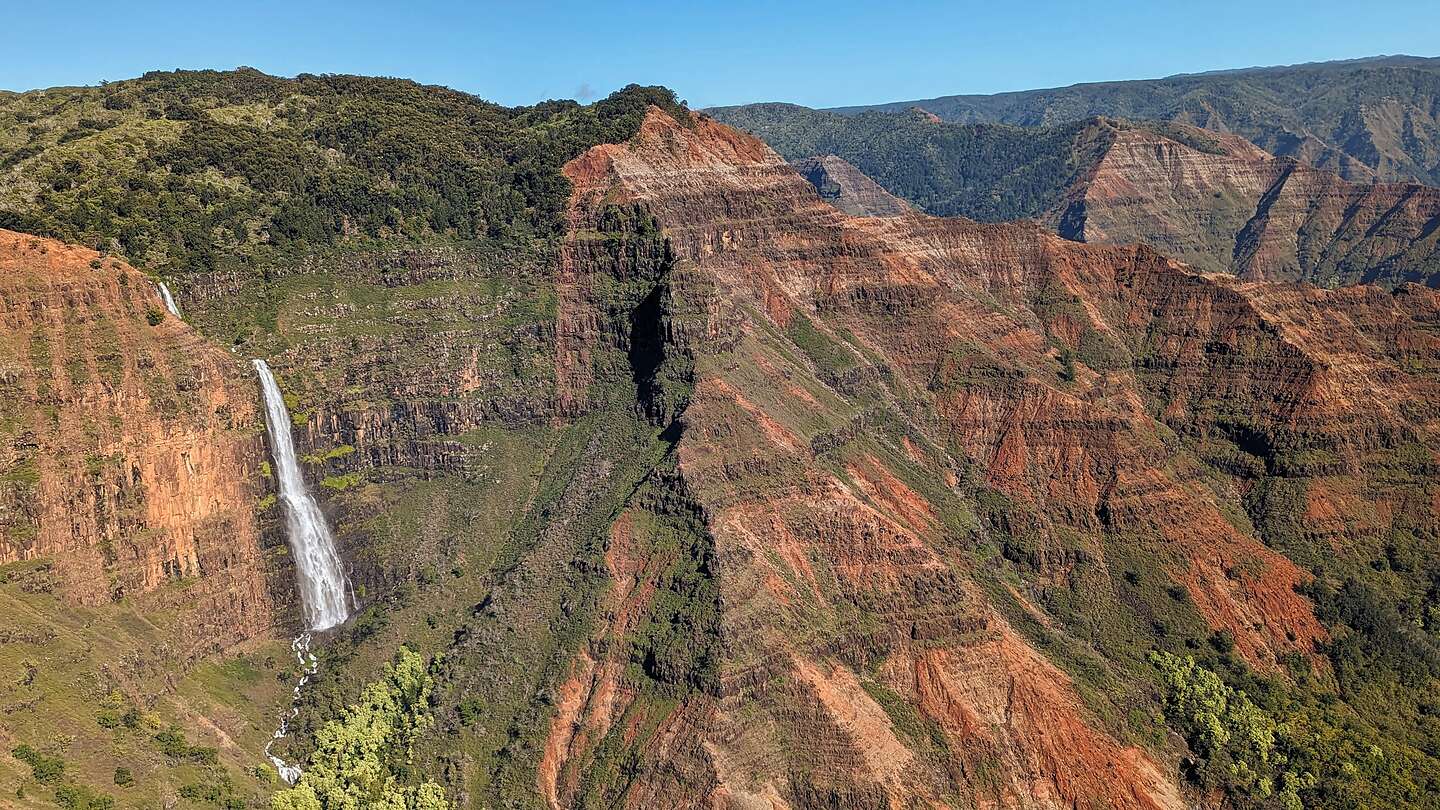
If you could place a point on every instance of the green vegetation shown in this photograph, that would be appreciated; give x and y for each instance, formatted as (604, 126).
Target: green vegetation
(1236, 738)
(676, 645)
(1321, 111)
(1267, 743)
(47, 770)
(193, 170)
(79, 797)
(829, 356)
(341, 482)
(985, 172)
(363, 759)
(83, 728)
(171, 742)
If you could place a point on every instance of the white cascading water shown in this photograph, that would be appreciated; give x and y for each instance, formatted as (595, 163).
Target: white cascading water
(169, 300)
(323, 594)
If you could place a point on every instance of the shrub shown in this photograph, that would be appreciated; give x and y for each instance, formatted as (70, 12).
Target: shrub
(367, 751)
(46, 770)
(79, 797)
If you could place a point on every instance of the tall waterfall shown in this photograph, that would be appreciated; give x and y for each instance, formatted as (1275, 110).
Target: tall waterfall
(169, 300)
(322, 583)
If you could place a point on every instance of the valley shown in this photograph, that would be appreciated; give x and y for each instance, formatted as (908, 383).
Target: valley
(663, 467)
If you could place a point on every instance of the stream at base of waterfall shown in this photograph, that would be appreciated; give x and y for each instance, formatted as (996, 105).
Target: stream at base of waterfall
(309, 665)
(324, 597)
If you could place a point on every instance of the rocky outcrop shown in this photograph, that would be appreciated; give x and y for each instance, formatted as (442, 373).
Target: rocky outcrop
(848, 189)
(1234, 208)
(846, 604)
(130, 446)
(1366, 118)
(877, 398)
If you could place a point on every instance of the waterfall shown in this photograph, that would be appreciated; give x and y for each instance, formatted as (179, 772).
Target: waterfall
(169, 300)
(317, 566)
(322, 584)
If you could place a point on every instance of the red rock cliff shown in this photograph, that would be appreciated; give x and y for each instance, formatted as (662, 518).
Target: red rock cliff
(1233, 208)
(130, 450)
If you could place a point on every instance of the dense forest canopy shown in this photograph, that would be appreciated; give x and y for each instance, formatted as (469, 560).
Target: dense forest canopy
(188, 170)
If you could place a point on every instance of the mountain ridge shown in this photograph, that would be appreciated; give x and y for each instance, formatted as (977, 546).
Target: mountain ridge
(715, 496)
(1361, 119)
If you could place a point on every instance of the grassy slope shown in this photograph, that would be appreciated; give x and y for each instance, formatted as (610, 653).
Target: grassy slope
(69, 669)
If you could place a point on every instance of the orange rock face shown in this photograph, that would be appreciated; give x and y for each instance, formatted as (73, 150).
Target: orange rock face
(874, 401)
(130, 448)
(848, 189)
(1234, 208)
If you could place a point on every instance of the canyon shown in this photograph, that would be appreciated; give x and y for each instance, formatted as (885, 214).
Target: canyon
(843, 476)
(1211, 199)
(735, 493)
(1234, 208)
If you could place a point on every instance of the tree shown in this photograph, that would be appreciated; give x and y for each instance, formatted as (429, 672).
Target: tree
(361, 758)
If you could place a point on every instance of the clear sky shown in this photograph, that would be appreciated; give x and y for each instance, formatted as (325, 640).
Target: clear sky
(818, 54)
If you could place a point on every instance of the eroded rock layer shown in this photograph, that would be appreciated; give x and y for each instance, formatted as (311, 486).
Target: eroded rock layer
(848, 189)
(1234, 208)
(131, 451)
(876, 405)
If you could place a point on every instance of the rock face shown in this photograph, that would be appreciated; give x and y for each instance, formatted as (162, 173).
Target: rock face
(877, 401)
(735, 500)
(849, 190)
(131, 451)
(1208, 198)
(1236, 209)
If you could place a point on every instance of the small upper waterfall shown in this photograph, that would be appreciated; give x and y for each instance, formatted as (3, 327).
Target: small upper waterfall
(169, 300)
(322, 583)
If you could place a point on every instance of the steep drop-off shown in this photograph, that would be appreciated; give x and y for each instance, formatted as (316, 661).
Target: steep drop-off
(724, 498)
(922, 448)
(1211, 199)
(131, 457)
(1236, 209)
(846, 188)
(139, 587)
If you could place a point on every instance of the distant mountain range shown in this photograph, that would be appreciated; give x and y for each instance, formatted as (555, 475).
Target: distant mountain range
(1365, 119)
(1209, 197)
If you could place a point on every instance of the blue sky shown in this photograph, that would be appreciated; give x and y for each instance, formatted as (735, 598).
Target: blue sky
(819, 54)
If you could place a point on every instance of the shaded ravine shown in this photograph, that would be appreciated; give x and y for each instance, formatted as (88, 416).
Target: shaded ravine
(322, 585)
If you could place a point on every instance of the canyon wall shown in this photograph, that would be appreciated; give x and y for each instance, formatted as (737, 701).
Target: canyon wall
(1234, 208)
(132, 450)
(884, 410)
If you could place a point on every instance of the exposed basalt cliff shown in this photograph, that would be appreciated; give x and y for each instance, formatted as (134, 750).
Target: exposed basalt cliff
(1239, 210)
(848, 189)
(726, 498)
(844, 606)
(878, 401)
(131, 453)
(1211, 199)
